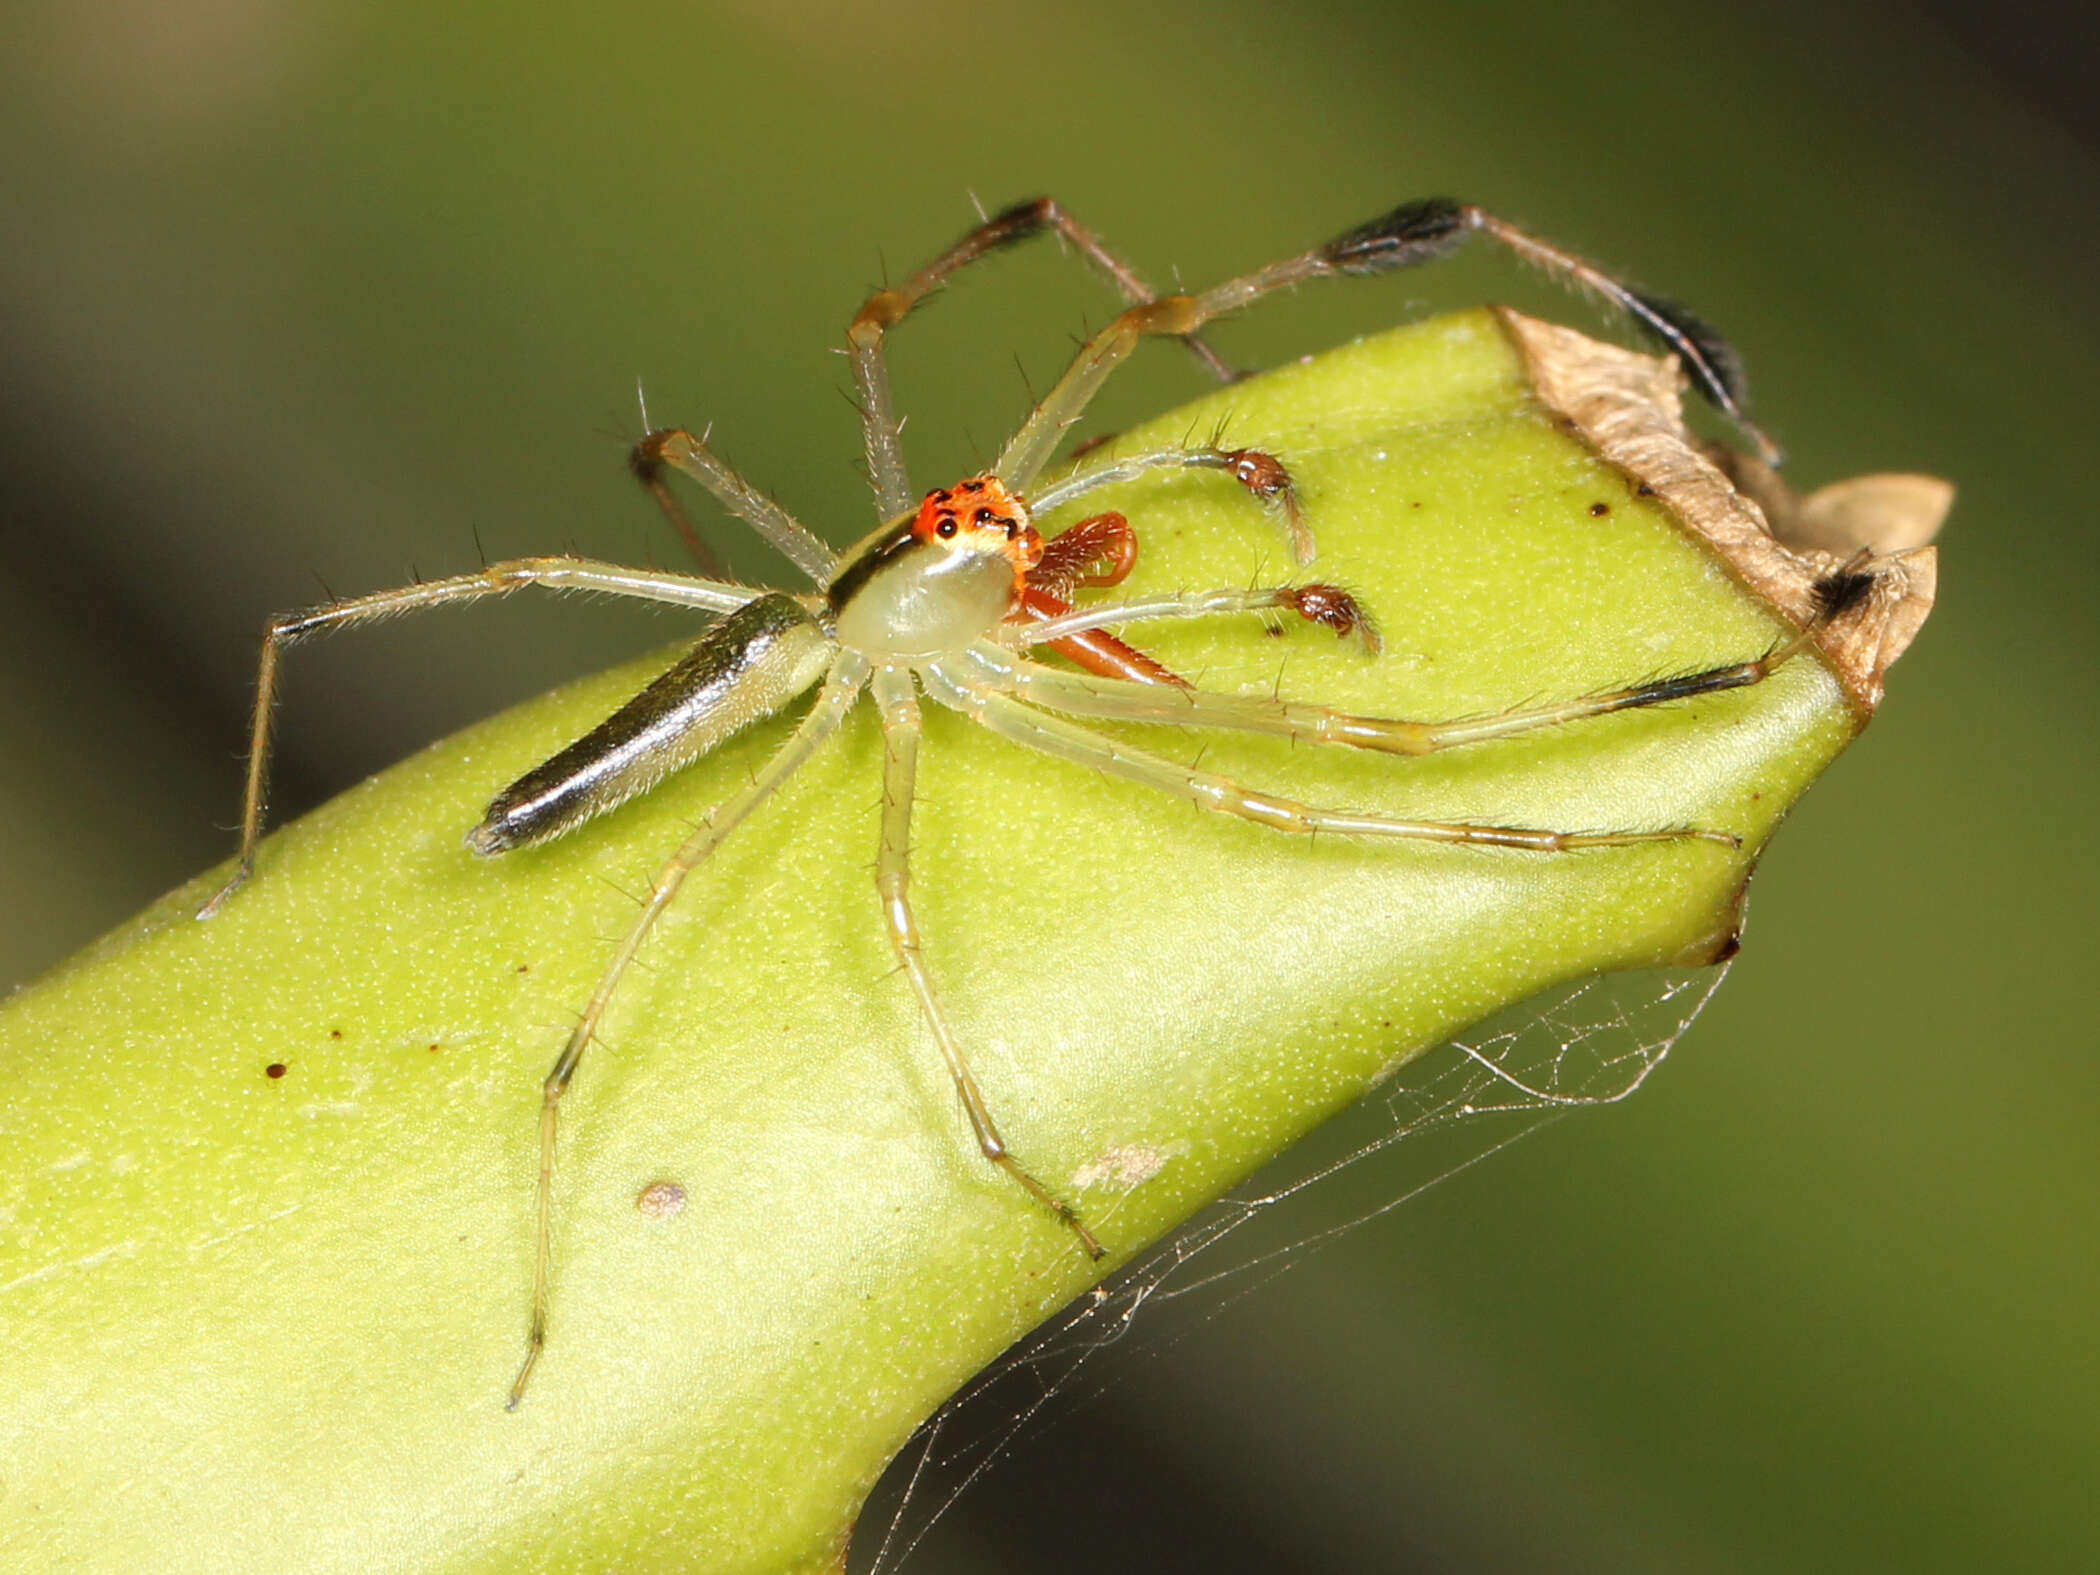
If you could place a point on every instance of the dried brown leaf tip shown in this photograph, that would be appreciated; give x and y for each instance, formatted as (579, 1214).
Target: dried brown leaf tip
(1857, 552)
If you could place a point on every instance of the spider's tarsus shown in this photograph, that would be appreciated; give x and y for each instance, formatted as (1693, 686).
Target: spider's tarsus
(218, 899)
(1841, 591)
(1087, 1239)
(1336, 609)
(535, 1342)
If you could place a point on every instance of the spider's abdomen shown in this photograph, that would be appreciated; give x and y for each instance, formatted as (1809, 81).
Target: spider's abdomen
(743, 669)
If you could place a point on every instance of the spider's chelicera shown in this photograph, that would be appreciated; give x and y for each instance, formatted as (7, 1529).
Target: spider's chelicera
(945, 600)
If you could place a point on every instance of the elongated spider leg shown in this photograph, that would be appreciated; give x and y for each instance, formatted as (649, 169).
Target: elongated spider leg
(883, 310)
(681, 451)
(1073, 636)
(1107, 698)
(848, 673)
(1836, 595)
(1106, 542)
(1012, 719)
(1328, 605)
(498, 579)
(1435, 227)
(1261, 473)
(1416, 232)
(1030, 448)
(900, 733)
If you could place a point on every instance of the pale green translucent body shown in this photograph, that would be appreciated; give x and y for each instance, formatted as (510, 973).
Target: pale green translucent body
(268, 1323)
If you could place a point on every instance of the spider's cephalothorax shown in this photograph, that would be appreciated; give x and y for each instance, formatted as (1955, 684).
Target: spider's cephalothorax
(946, 600)
(946, 575)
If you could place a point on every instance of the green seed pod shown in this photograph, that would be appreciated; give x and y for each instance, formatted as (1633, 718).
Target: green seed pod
(269, 1180)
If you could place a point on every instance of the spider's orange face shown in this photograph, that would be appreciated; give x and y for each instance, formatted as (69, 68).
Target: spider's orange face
(982, 515)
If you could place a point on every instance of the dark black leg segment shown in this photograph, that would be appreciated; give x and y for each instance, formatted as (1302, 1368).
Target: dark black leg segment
(1414, 232)
(1420, 232)
(1710, 359)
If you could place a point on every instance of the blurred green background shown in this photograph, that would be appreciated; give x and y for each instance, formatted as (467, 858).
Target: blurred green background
(305, 293)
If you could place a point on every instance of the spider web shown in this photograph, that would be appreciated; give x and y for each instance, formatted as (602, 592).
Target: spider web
(1590, 1043)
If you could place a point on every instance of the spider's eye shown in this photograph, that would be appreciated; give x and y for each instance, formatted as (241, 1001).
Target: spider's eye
(983, 517)
(946, 527)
